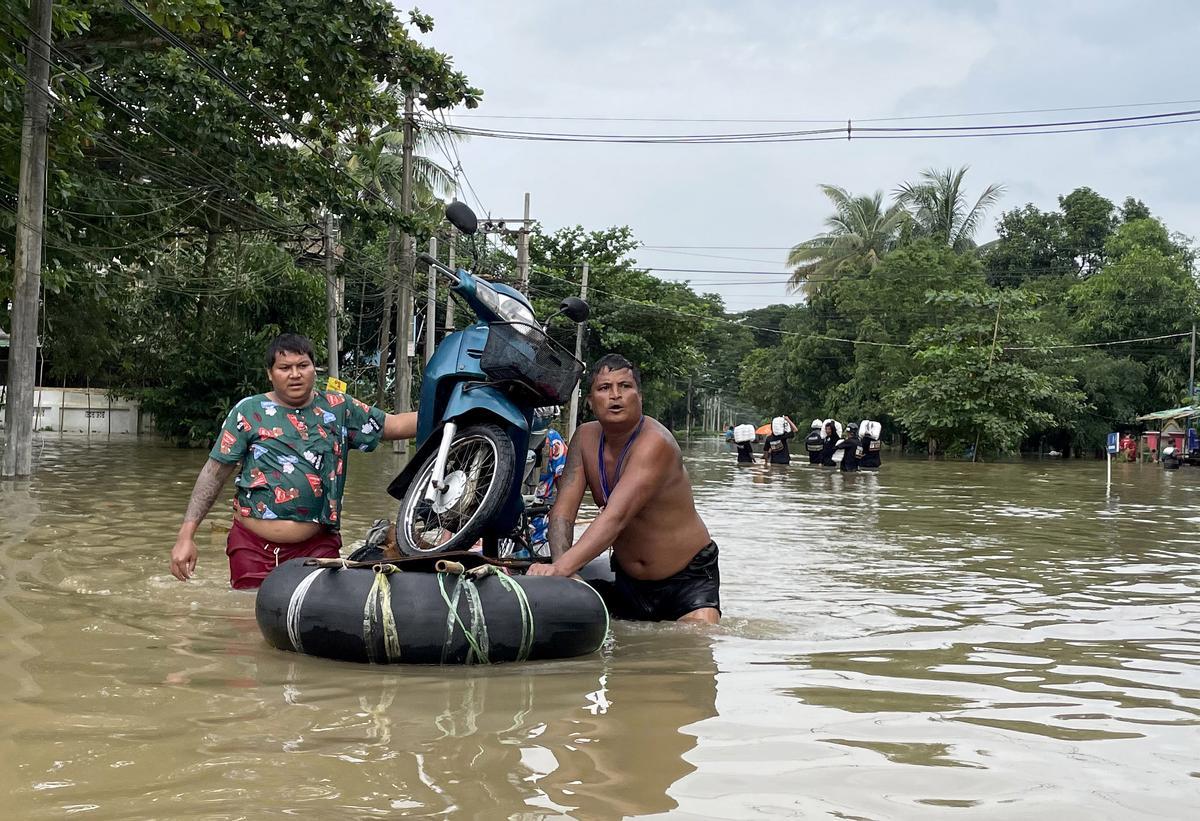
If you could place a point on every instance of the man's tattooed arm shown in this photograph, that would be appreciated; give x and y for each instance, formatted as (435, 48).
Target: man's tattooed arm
(561, 528)
(212, 478)
(560, 533)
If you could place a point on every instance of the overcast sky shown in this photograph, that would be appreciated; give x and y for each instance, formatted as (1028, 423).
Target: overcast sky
(795, 61)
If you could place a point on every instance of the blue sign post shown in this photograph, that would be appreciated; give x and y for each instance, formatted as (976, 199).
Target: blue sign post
(1114, 445)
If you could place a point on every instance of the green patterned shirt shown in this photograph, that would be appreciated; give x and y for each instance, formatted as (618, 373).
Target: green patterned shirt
(294, 459)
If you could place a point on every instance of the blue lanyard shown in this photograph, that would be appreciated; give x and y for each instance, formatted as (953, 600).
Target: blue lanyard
(620, 460)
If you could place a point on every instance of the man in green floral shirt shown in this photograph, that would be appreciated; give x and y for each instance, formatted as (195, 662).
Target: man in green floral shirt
(291, 445)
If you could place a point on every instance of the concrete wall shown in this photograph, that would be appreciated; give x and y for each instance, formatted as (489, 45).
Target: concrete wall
(86, 410)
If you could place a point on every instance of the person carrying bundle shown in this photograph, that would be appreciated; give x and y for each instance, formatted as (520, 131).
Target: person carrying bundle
(833, 434)
(743, 439)
(870, 445)
(849, 446)
(775, 447)
(814, 443)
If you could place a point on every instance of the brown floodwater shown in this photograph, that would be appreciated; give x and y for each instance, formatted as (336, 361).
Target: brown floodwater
(939, 638)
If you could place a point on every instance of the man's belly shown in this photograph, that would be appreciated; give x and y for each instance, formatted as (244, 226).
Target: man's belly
(282, 531)
(659, 552)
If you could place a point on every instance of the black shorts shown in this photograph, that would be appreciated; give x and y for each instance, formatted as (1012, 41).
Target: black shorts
(695, 586)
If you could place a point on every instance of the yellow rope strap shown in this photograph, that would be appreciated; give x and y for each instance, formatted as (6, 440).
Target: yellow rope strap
(379, 599)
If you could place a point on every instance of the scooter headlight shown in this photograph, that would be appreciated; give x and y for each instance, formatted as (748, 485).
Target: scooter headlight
(508, 309)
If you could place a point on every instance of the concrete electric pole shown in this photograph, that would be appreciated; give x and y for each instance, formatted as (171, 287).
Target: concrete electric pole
(407, 265)
(431, 304)
(450, 295)
(331, 298)
(520, 235)
(27, 262)
(573, 419)
(523, 249)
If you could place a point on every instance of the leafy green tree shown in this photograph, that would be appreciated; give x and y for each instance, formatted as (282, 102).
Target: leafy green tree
(1134, 209)
(188, 370)
(767, 323)
(1087, 220)
(171, 193)
(1115, 387)
(884, 310)
(982, 379)
(938, 205)
(1146, 289)
(661, 326)
(763, 381)
(860, 232)
(1030, 244)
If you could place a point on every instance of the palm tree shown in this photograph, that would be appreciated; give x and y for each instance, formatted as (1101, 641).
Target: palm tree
(378, 165)
(938, 207)
(861, 231)
(376, 162)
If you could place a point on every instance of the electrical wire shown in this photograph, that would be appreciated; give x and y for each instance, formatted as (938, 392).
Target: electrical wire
(849, 132)
(826, 120)
(221, 77)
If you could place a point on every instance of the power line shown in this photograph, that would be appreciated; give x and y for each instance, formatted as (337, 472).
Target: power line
(850, 132)
(221, 77)
(155, 168)
(170, 173)
(445, 134)
(823, 120)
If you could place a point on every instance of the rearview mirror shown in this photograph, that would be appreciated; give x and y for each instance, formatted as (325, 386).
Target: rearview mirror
(574, 309)
(462, 217)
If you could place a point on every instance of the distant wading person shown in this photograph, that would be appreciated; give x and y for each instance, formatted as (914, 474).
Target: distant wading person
(663, 557)
(849, 446)
(775, 446)
(291, 444)
(814, 443)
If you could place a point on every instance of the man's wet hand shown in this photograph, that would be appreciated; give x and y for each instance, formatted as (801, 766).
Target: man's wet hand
(183, 558)
(553, 569)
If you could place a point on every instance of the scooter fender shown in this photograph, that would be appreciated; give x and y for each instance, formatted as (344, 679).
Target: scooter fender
(469, 403)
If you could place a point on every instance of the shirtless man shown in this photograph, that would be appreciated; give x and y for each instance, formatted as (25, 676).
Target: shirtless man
(665, 561)
(291, 446)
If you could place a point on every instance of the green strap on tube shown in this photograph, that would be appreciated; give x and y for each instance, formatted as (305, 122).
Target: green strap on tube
(511, 586)
(477, 634)
(476, 651)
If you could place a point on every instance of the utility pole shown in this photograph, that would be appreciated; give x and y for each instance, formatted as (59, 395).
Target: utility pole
(1192, 369)
(331, 298)
(573, 419)
(689, 408)
(523, 249)
(407, 265)
(991, 356)
(27, 262)
(385, 329)
(450, 294)
(521, 236)
(431, 303)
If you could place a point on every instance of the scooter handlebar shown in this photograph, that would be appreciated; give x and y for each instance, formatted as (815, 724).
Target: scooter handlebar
(429, 259)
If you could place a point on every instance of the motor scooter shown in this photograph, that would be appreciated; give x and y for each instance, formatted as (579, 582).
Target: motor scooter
(479, 396)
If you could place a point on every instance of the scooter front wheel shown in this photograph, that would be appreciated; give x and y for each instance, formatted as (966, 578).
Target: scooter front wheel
(479, 473)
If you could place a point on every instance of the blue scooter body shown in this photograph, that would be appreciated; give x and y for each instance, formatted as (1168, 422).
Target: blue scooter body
(454, 387)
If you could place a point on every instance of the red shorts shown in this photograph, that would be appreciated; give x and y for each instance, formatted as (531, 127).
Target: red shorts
(251, 557)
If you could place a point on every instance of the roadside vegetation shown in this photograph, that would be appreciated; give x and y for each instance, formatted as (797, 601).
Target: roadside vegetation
(189, 177)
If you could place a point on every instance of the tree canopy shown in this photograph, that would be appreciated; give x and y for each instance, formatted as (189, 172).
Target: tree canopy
(196, 146)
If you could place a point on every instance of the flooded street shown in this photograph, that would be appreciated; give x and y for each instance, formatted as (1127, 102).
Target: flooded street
(935, 640)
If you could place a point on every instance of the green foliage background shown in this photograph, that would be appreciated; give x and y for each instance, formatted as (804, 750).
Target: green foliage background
(182, 234)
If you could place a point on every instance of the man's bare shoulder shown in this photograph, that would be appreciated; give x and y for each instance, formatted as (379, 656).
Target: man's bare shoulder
(587, 432)
(662, 440)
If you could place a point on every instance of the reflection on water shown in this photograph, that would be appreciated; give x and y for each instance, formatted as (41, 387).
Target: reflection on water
(932, 637)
